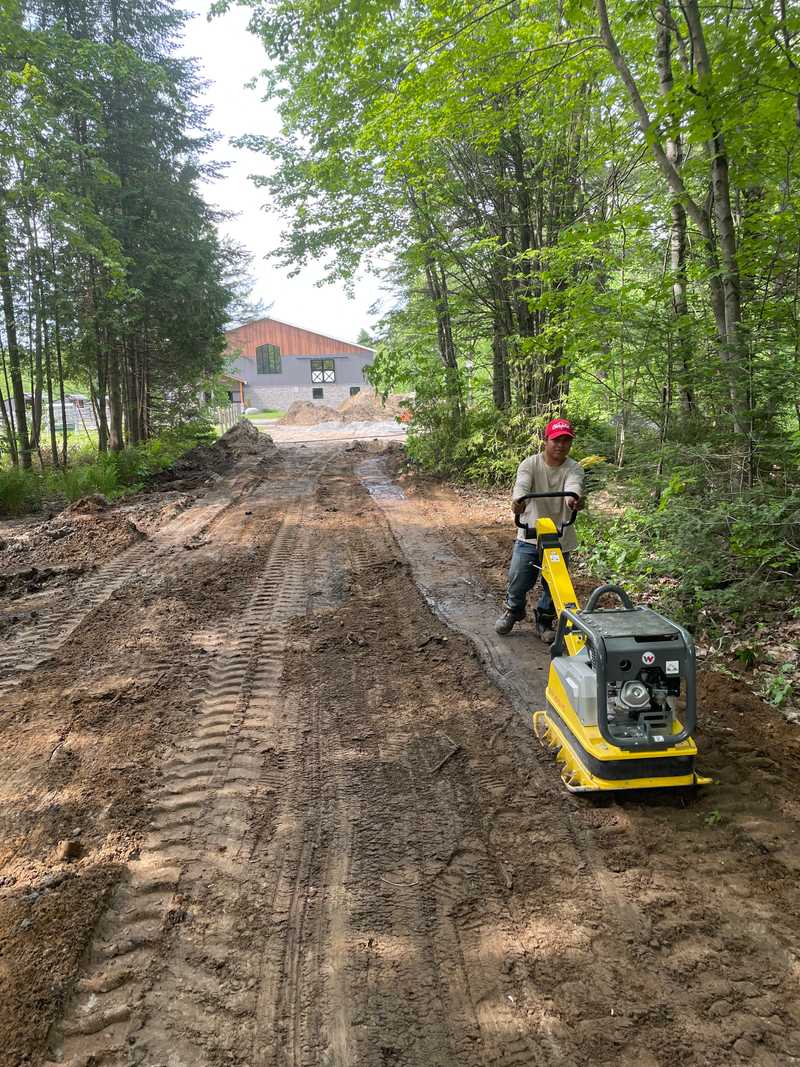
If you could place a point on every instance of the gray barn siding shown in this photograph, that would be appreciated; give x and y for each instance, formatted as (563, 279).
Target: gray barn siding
(294, 381)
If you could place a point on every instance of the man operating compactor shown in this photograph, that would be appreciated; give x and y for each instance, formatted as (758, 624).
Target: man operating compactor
(549, 471)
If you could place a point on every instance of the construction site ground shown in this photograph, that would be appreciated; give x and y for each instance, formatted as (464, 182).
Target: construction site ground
(269, 797)
(343, 432)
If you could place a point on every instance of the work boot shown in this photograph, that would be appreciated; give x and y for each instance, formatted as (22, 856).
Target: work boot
(505, 624)
(546, 629)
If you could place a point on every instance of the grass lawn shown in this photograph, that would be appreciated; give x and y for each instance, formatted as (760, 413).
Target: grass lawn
(266, 415)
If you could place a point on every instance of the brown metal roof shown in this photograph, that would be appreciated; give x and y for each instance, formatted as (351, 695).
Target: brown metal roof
(292, 340)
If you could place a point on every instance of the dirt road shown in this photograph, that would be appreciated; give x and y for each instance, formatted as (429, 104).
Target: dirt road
(270, 798)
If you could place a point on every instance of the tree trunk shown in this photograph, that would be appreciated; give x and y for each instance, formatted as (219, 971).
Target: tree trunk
(51, 418)
(116, 440)
(61, 394)
(22, 440)
(677, 236)
(499, 360)
(438, 292)
(144, 407)
(439, 296)
(132, 372)
(725, 290)
(723, 215)
(99, 396)
(8, 425)
(59, 361)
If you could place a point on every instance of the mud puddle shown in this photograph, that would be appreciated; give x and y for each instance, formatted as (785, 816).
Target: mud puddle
(458, 595)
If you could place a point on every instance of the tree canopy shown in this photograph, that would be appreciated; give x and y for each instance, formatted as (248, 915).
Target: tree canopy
(591, 204)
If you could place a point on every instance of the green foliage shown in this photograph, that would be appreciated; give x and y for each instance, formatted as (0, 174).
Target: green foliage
(493, 157)
(709, 556)
(112, 474)
(116, 474)
(748, 656)
(114, 275)
(480, 446)
(782, 686)
(20, 491)
(99, 476)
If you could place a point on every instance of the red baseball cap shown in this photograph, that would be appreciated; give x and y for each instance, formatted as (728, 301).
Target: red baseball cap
(558, 428)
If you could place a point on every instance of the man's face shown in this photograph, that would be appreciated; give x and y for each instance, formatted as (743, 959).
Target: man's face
(556, 449)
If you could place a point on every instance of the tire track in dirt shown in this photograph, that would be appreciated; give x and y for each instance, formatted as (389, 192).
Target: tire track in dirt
(54, 626)
(523, 679)
(308, 848)
(464, 608)
(134, 968)
(401, 888)
(223, 519)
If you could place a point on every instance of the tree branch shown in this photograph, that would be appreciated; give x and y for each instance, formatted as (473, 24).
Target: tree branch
(646, 124)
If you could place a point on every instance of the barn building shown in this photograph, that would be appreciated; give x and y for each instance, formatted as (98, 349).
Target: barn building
(271, 364)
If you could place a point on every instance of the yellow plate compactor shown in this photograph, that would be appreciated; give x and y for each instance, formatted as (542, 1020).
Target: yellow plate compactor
(616, 676)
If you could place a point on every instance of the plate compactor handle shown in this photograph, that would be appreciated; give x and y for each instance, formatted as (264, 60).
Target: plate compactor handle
(617, 590)
(531, 534)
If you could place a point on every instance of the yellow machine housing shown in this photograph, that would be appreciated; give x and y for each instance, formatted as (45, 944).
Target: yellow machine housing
(610, 716)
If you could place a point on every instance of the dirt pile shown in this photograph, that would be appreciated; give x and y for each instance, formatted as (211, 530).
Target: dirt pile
(87, 505)
(204, 462)
(37, 556)
(304, 413)
(244, 439)
(368, 406)
(78, 538)
(17, 581)
(375, 446)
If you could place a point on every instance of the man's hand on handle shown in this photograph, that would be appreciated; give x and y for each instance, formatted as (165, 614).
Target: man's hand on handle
(518, 506)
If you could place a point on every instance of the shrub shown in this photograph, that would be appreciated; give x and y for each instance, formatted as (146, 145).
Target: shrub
(98, 476)
(20, 491)
(680, 533)
(112, 474)
(710, 556)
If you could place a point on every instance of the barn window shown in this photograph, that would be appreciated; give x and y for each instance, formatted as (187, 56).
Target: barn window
(355, 389)
(323, 370)
(316, 394)
(268, 359)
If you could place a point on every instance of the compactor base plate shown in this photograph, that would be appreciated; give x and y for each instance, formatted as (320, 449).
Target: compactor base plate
(576, 776)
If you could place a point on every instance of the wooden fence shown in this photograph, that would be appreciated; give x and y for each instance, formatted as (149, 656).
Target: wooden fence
(228, 416)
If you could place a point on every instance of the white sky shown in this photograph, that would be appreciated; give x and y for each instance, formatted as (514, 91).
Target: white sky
(229, 57)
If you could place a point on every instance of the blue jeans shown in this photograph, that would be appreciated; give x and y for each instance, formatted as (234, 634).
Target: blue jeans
(522, 576)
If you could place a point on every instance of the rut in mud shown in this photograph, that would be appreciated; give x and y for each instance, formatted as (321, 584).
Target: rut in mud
(262, 807)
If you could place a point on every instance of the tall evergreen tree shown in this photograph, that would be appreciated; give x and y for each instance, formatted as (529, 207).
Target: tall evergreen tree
(111, 269)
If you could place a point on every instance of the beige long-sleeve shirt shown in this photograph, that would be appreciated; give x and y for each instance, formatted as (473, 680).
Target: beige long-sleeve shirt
(535, 476)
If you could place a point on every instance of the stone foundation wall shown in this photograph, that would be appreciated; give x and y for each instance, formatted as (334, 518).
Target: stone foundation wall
(259, 396)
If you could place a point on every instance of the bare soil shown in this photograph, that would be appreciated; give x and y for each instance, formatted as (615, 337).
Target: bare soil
(260, 805)
(370, 405)
(304, 413)
(362, 407)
